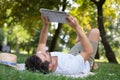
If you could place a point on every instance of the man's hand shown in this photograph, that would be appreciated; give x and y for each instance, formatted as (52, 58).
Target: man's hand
(72, 22)
(45, 20)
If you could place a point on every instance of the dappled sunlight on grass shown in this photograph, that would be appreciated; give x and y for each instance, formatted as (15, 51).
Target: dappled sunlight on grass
(118, 59)
(101, 60)
(21, 52)
(105, 60)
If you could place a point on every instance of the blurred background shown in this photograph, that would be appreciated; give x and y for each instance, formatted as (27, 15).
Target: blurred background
(20, 26)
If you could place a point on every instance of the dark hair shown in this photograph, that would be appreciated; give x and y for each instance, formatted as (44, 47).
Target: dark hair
(34, 63)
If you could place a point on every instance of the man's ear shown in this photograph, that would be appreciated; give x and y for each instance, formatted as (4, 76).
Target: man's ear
(50, 67)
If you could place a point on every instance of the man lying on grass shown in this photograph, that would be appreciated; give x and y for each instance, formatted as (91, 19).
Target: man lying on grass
(80, 58)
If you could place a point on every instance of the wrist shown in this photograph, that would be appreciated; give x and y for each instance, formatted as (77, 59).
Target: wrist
(77, 27)
(78, 30)
(46, 25)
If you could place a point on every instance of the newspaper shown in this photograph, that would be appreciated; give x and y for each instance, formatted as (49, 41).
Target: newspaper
(54, 16)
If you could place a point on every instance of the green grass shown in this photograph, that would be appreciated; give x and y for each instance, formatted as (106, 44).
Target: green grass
(106, 71)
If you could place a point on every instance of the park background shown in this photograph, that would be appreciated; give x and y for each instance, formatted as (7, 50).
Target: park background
(20, 26)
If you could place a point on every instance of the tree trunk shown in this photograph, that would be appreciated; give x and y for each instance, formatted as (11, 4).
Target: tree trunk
(97, 56)
(17, 46)
(55, 38)
(109, 53)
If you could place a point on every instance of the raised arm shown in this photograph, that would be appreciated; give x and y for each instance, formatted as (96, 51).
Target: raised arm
(44, 34)
(87, 47)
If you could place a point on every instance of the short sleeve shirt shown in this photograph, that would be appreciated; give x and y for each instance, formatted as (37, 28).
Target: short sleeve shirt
(70, 64)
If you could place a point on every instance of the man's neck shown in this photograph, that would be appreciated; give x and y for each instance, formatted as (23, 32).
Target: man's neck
(54, 63)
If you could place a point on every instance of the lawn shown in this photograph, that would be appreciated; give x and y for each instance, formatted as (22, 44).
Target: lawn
(106, 71)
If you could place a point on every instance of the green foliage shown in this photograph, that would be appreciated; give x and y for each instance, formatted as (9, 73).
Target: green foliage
(68, 36)
(22, 17)
(112, 26)
(25, 12)
(20, 33)
(85, 14)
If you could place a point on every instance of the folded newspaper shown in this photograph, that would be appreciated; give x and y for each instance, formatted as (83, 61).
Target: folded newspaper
(54, 16)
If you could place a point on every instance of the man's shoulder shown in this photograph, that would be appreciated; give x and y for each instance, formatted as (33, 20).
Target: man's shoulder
(62, 55)
(57, 53)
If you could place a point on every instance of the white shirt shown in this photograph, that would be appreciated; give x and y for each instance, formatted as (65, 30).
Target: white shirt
(70, 64)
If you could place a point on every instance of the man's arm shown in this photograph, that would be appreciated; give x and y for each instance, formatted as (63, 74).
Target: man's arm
(87, 47)
(44, 34)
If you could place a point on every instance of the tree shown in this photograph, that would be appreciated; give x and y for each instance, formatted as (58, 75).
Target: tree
(25, 13)
(87, 14)
(57, 32)
(109, 53)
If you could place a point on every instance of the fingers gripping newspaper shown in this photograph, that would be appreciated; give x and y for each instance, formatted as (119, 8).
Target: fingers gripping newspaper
(54, 16)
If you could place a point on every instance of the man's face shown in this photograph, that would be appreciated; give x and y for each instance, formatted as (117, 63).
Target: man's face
(44, 56)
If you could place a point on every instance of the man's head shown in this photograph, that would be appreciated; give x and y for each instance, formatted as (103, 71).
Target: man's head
(38, 62)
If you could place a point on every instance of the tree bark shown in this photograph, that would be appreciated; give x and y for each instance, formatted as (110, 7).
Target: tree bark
(17, 46)
(55, 38)
(109, 53)
(97, 56)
